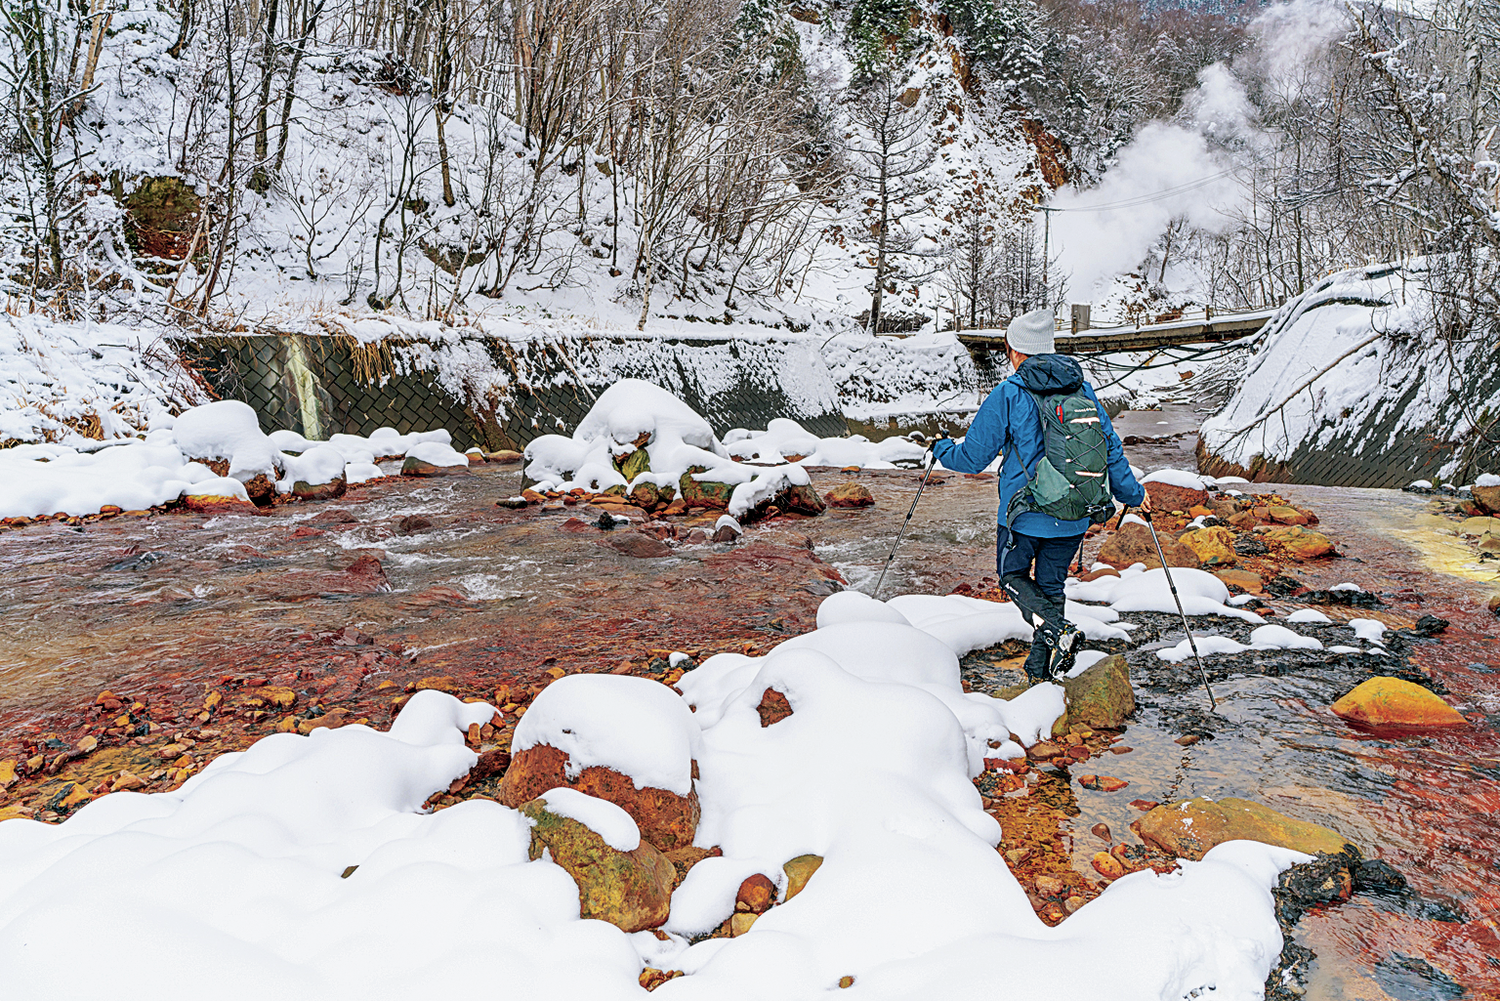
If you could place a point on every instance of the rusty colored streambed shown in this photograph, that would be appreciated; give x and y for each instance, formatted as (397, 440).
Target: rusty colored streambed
(187, 622)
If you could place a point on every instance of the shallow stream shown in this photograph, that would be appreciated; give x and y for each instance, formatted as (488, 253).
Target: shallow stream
(169, 608)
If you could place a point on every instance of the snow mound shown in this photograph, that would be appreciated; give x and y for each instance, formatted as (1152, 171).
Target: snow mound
(1141, 590)
(318, 465)
(227, 429)
(437, 453)
(856, 606)
(785, 440)
(1308, 615)
(636, 727)
(1485, 480)
(1369, 630)
(1178, 478)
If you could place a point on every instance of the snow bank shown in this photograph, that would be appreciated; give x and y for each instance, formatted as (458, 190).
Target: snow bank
(1354, 366)
(1267, 637)
(133, 475)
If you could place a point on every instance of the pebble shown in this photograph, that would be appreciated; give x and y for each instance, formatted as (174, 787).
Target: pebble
(1101, 831)
(1048, 885)
(1188, 739)
(1108, 866)
(1073, 903)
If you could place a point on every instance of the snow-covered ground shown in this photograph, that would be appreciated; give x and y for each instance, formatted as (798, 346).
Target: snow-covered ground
(238, 882)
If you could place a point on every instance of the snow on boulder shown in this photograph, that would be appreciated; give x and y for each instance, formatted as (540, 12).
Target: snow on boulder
(644, 444)
(434, 458)
(316, 474)
(785, 440)
(627, 740)
(225, 436)
(1175, 489)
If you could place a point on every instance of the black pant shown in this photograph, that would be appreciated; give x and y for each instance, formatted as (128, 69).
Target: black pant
(1042, 594)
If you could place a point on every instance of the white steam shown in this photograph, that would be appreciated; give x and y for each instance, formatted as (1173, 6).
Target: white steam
(1191, 169)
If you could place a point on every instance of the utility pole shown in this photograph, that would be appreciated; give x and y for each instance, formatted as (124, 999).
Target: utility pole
(1046, 254)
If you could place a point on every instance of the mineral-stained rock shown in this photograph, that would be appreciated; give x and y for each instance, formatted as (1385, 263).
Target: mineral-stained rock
(1169, 497)
(1244, 580)
(1478, 527)
(849, 495)
(1391, 702)
(1189, 828)
(639, 545)
(1487, 498)
(703, 493)
(773, 707)
(1243, 520)
(645, 495)
(1214, 546)
(262, 489)
(798, 871)
(412, 524)
(634, 464)
(1099, 698)
(799, 499)
(1108, 866)
(504, 457)
(740, 923)
(756, 894)
(414, 466)
(631, 890)
(666, 819)
(320, 491)
(1132, 544)
(1285, 514)
(215, 504)
(1300, 543)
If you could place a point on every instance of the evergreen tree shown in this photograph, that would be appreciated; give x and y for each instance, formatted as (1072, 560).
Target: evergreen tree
(1004, 36)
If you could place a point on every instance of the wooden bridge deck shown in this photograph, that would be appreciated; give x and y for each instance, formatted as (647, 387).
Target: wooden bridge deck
(1100, 340)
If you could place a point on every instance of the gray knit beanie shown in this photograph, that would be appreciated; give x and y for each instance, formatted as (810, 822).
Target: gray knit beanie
(1032, 333)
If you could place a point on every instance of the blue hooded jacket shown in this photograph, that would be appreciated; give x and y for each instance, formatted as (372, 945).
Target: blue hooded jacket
(1008, 423)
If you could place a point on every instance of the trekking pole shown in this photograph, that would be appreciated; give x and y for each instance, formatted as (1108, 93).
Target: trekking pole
(920, 486)
(1212, 705)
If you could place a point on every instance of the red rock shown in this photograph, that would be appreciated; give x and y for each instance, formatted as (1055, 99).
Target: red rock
(576, 525)
(1144, 805)
(773, 707)
(213, 504)
(756, 895)
(849, 495)
(1102, 783)
(1168, 497)
(306, 532)
(666, 819)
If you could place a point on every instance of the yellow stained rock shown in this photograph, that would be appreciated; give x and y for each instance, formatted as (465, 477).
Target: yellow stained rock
(87, 744)
(7, 773)
(76, 795)
(798, 871)
(1394, 702)
(740, 923)
(1189, 828)
(1214, 546)
(212, 702)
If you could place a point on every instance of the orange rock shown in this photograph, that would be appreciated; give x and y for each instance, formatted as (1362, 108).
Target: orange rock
(1132, 544)
(1392, 702)
(773, 707)
(1101, 572)
(1108, 866)
(212, 504)
(1168, 497)
(1285, 514)
(1102, 783)
(666, 819)
(849, 495)
(756, 894)
(1242, 580)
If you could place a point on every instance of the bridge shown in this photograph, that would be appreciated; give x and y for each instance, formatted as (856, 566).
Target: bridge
(1207, 327)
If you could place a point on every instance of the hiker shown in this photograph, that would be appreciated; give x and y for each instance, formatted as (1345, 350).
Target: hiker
(1054, 481)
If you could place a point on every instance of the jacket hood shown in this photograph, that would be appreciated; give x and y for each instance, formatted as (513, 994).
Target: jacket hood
(1050, 374)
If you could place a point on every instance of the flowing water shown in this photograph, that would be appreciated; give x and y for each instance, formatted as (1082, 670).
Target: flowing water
(352, 602)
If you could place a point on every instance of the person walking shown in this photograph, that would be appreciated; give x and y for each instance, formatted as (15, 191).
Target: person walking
(1033, 547)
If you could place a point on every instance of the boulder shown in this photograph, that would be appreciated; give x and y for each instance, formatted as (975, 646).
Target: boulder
(1099, 698)
(303, 490)
(1243, 580)
(703, 493)
(1189, 828)
(1391, 702)
(1487, 498)
(218, 504)
(756, 895)
(666, 819)
(799, 498)
(504, 457)
(1214, 546)
(632, 890)
(1224, 507)
(645, 494)
(414, 466)
(1285, 514)
(1300, 543)
(798, 871)
(261, 489)
(1243, 520)
(1477, 527)
(1132, 544)
(1170, 497)
(849, 495)
(634, 464)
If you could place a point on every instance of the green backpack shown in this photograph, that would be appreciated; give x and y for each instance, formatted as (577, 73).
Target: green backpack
(1071, 480)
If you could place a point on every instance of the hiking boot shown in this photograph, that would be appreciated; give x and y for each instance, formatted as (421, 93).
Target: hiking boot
(1062, 652)
(1036, 661)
